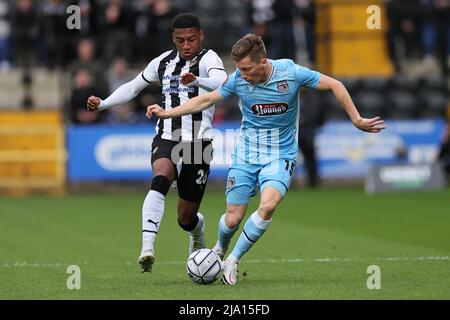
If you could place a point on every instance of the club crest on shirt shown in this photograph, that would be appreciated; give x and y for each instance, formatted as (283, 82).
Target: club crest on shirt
(231, 182)
(282, 86)
(193, 62)
(269, 109)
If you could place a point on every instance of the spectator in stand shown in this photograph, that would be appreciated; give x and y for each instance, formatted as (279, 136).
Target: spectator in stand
(56, 37)
(5, 35)
(281, 30)
(436, 26)
(160, 26)
(83, 88)
(25, 33)
(116, 38)
(404, 30)
(307, 11)
(259, 14)
(86, 60)
(311, 118)
(150, 95)
(89, 17)
(142, 47)
(118, 74)
(126, 113)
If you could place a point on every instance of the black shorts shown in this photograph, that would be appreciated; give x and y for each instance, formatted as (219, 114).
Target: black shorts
(196, 158)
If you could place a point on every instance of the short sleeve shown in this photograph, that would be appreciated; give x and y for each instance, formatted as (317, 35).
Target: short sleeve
(213, 61)
(227, 89)
(306, 77)
(150, 73)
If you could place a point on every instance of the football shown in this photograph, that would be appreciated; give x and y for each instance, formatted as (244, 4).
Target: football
(204, 266)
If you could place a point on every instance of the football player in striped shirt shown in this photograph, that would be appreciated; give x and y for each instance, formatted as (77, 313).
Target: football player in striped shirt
(184, 73)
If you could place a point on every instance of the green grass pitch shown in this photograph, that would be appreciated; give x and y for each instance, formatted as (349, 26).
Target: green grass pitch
(319, 246)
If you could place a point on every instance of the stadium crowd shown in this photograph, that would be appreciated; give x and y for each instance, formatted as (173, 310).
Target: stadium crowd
(118, 38)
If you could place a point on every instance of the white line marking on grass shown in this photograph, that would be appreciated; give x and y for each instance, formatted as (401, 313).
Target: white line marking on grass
(328, 260)
(296, 260)
(331, 260)
(35, 265)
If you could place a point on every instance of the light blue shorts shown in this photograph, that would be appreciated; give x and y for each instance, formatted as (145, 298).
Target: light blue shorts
(243, 180)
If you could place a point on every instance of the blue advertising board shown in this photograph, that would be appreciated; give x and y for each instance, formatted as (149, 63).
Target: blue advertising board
(101, 152)
(345, 152)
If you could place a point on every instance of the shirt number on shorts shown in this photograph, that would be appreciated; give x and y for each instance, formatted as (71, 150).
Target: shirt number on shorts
(289, 166)
(202, 177)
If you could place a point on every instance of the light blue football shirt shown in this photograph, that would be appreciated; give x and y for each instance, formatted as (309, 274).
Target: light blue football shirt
(269, 112)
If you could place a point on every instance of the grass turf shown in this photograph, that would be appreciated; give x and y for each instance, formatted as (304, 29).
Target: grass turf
(319, 246)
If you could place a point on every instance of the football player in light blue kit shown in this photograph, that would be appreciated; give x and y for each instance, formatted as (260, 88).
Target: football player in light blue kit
(265, 155)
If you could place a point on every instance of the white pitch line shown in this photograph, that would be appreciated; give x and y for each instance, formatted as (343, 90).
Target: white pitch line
(329, 260)
(38, 265)
(296, 260)
(35, 264)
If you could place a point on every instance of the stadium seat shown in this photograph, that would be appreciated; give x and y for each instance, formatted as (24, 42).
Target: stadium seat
(402, 104)
(332, 107)
(434, 82)
(370, 103)
(207, 5)
(402, 82)
(351, 84)
(374, 84)
(433, 103)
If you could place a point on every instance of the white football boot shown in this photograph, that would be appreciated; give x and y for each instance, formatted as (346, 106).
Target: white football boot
(229, 273)
(219, 250)
(197, 242)
(146, 260)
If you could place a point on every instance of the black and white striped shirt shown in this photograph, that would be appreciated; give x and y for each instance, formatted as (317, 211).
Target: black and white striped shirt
(167, 69)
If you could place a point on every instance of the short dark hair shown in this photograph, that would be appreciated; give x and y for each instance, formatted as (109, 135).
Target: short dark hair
(185, 20)
(250, 45)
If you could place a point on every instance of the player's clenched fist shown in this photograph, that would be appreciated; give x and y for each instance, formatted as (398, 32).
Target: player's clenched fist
(156, 110)
(93, 103)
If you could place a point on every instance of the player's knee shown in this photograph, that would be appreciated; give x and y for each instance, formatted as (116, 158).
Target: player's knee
(232, 221)
(233, 218)
(267, 208)
(161, 184)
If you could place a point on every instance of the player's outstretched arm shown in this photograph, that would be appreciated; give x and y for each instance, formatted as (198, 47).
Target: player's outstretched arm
(372, 125)
(191, 106)
(121, 95)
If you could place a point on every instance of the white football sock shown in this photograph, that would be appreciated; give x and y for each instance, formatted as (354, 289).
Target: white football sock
(152, 214)
(197, 231)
